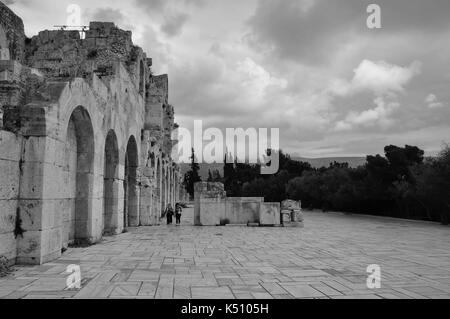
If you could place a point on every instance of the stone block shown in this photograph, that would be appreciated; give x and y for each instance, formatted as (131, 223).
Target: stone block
(51, 241)
(96, 228)
(9, 179)
(29, 248)
(32, 180)
(145, 216)
(30, 211)
(8, 210)
(40, 149)
(8, 246)
(242, 211)
(10, 146)
(14, 68)
(269, 214)
(299, 216)
(54, 186)
(98, 186)
(286, 216)
(291, 204)
(210, 190)
(4, 54)
(211, 212)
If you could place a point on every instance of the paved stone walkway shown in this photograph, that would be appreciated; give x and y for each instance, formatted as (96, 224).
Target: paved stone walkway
(326, 259)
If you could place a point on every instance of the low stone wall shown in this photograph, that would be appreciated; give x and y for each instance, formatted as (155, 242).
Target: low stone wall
(10, 145)
(214, 208)
(239, 210)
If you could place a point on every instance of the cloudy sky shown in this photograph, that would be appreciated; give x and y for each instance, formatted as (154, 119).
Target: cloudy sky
(309, 67)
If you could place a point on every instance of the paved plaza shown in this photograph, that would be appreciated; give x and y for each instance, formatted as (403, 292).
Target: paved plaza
(326, 259)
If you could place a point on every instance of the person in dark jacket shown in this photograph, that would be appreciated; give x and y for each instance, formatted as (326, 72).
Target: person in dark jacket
(169, 214)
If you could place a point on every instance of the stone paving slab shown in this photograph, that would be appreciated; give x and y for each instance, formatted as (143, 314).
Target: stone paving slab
(326, 259)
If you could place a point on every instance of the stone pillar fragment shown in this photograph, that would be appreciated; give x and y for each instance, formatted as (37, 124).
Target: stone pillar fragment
(291, 213)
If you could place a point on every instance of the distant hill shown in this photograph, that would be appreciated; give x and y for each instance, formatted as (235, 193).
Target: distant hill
(315, 162)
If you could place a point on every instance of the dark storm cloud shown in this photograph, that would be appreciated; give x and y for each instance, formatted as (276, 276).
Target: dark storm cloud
(173, 24)
(311, 31)
(160, 5)
(108, 15)
(174, 15)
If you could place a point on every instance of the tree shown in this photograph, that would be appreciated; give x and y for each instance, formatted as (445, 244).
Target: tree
(209, 176)
(432, 184)
(402, 159)
(214, 177)
(307, 188)
(192, 176)
(400, 184)
(230, 179)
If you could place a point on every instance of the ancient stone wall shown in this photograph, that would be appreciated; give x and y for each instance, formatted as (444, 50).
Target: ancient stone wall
(9, 193)
(214, 208)
(12, 35)
(90, 160)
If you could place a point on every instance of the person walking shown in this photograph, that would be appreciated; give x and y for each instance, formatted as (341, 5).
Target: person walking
(178, 211)
(169, 214)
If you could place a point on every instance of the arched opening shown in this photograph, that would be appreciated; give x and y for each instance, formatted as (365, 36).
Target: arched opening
(110, 184)
(79, 152)
(131, 203)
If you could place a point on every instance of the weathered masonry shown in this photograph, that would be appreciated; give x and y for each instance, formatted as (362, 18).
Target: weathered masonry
(214, 208)
(85, 139)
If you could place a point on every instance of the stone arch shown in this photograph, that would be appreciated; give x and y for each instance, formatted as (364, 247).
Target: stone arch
(111, 184)
(131, 198)
(79, 154)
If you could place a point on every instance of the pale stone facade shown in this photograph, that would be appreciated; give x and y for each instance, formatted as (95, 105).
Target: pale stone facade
(85, 139)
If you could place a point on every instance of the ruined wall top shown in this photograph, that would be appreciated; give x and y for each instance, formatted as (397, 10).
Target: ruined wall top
(12, 35)
(159, 89)
(104, 50)
(62, 53)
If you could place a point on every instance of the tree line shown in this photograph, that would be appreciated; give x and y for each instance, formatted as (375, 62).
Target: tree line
(402, 183)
